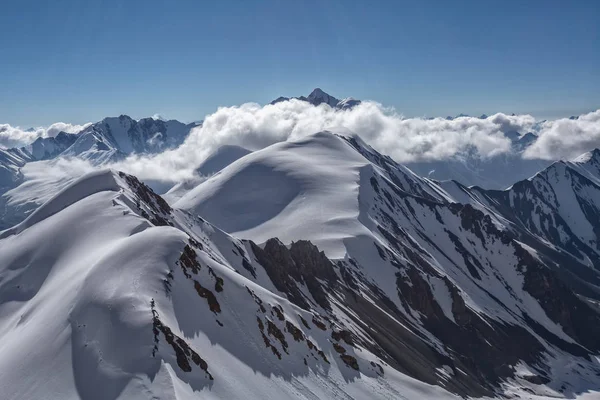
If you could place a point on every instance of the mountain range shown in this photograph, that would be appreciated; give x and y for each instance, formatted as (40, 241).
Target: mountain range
(311, 268)
(315, 268)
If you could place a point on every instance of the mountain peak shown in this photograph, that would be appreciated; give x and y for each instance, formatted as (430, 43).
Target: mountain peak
(318, 96)
(317, 92)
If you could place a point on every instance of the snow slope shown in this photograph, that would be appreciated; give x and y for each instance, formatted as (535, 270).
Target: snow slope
(451, 273)
(300, 184)
(107, 293)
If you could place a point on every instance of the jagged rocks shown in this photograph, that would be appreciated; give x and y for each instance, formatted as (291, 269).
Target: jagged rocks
(188, 261)
(274, 331)
(302, 263)
(268, 344)
(257, 300)
(277, 311)
(155, 204)
(183, 352)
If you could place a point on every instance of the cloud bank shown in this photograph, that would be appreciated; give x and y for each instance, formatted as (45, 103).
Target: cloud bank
(405, 139)
(11, 136)
(566, 138)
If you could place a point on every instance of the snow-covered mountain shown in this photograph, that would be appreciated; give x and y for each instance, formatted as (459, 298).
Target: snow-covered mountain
(318, 96)
(221, 158)
(49, 147)
(108, 140)
(464, 297)
(11, 160)
(309, 269)
(112, 138)
(106, 292)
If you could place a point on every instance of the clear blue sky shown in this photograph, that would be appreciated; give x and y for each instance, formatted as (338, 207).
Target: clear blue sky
(78, 61)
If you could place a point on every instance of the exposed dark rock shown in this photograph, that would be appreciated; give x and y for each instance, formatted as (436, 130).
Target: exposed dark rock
(257, 300)
(278, 312)
(304, 322)
(318, 323)
(344, 335)
(340, 349)
(350, 361)
(188, 262)
(294, 331)
(274, 331)
(218, 280)
(183, 352)
(274, 349)
(157, 206)
(536, 379)
(210, 297)
(575, 317)
(303, 263)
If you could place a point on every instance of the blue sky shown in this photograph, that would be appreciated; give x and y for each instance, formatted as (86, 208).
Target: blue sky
(78, 61)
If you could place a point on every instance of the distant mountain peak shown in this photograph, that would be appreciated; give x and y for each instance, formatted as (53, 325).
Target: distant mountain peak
(319, 96)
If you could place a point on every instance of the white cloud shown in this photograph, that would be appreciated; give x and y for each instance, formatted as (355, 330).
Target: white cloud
(566, 138)
(14, 136)
(405, 139)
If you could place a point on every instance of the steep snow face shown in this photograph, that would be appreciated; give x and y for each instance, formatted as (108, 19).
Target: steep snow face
(555, 212)
(50, 147)
(72, 319)
(455, 276)
(108, 293)
(10, 162)
(114, 137)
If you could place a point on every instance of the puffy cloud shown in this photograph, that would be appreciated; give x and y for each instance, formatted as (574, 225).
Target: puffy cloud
(16, 137)
(405, 139)
(57, 127)
(566, 138)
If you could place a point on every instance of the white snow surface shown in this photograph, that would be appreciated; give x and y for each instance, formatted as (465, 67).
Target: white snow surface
(79, 274)
(305, 189)
(77, 280)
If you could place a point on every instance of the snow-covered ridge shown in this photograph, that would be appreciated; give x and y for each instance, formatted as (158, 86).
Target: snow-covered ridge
(96, 298)
(414, 294)
(103, 180)
(410, 243)
(313, 267)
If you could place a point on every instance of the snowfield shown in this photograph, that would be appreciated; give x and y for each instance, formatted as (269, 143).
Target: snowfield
(310, 269)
